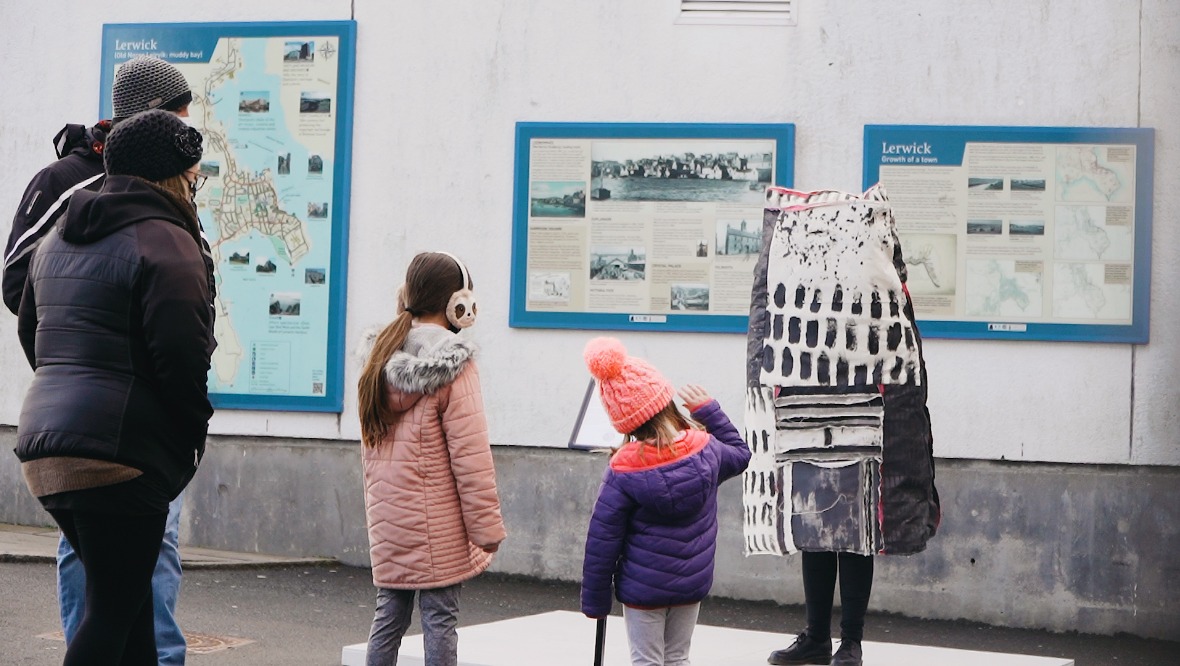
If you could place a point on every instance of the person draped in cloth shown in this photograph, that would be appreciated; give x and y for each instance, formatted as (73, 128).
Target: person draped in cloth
(653, 533)
(430, 488)
(843, 466)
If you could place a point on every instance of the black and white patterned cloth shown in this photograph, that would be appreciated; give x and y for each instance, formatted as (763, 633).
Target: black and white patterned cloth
(835, 384)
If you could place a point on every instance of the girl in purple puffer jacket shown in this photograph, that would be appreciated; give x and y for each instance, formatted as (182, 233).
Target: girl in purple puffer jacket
(653, 533)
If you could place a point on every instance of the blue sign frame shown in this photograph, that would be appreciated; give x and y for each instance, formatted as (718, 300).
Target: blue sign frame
(520, 317)
(195, 42)
(940, 145)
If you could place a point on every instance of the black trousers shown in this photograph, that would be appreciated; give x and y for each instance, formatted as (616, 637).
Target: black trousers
(119, 555)
(819, 584)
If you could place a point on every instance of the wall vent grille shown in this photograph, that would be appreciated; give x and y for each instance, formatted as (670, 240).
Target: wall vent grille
(737, 12)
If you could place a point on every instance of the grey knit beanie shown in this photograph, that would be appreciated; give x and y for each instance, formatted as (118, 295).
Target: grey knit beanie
(154, 145)
(147, 82)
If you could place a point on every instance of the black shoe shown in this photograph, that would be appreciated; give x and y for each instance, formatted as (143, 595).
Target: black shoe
(848, 654)
(805, 650)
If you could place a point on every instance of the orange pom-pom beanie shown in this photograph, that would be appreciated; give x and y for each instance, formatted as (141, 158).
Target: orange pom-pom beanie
(632, 391)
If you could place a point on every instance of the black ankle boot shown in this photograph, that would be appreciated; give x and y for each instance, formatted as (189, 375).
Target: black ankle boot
(849, 653)
(805, 650)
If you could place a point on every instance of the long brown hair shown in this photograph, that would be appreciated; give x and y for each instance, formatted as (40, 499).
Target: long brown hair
(176, 190)
(430, 280)
(661, 430)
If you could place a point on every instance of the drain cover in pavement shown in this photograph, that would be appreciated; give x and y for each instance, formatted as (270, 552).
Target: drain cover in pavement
(205, 643)
(197, 643)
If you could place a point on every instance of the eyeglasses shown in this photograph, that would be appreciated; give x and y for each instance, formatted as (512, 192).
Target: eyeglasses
(197, 182)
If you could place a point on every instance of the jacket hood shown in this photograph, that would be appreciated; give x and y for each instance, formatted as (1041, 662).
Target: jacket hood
(82, 140)
(122, 202)
(679, 484)
(431, 358)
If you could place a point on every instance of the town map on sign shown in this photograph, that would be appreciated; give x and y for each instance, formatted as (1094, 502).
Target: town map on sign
(1089, 173)
(266, 109)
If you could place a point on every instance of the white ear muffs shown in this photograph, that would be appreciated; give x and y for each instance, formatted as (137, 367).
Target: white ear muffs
(461, 309)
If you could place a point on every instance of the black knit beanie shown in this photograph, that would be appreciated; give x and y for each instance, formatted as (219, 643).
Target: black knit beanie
(147, 82)
(154, 145)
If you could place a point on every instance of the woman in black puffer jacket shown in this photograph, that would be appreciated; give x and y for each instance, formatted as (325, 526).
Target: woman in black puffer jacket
(116, 323)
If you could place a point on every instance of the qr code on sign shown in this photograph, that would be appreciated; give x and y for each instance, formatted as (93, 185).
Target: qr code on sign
(317, 388)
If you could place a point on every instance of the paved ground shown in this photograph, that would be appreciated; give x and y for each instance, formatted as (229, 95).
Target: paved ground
(304, 613)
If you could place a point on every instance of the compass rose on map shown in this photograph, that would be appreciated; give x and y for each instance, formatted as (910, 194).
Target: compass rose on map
(327, 51)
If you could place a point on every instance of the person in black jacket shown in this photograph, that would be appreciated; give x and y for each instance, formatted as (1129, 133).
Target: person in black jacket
(140, 84)
(116, 323)
(78, 166)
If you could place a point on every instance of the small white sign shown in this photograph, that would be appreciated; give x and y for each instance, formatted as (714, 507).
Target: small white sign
(593, 429)
(1008, 328)
(649, 319)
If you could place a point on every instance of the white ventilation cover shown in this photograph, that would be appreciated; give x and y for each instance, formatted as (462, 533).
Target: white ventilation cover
(737, 12)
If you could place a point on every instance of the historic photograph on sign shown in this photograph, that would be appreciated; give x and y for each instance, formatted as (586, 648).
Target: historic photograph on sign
(690, 297)
(738, 237)
(681, 170)
(557, 199)
(618, 263)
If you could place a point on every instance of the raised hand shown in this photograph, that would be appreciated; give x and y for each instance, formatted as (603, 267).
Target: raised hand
(694, 395)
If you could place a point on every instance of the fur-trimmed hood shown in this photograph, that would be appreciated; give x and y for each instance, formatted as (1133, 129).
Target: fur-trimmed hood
(431, 358)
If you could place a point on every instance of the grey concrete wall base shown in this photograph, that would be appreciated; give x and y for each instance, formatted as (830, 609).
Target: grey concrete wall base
(17, 505)
(300, 498)
(291, 497)
(1089, 548)
(1084, 548)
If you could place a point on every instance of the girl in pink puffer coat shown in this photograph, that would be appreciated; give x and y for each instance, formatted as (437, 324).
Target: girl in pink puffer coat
(430, 487)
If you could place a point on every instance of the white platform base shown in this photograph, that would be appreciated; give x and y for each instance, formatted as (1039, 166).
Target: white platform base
(563, 637)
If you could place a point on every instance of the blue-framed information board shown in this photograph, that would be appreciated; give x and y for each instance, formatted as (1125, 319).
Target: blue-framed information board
(1021, 233)
(274, 103)
(641, 226)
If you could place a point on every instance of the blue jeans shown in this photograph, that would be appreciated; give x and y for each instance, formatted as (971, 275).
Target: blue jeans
(71, 590)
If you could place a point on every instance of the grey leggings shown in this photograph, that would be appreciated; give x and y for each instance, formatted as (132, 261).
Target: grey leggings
(661, 636)
(440, 623)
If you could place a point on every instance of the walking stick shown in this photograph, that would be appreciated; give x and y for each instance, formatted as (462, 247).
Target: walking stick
(599, 641)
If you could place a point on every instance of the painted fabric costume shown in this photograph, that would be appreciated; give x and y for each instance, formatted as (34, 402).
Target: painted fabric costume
(836, 386)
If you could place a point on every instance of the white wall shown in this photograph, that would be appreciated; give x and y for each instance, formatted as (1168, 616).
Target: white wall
(440, 86)
(1156, 368)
